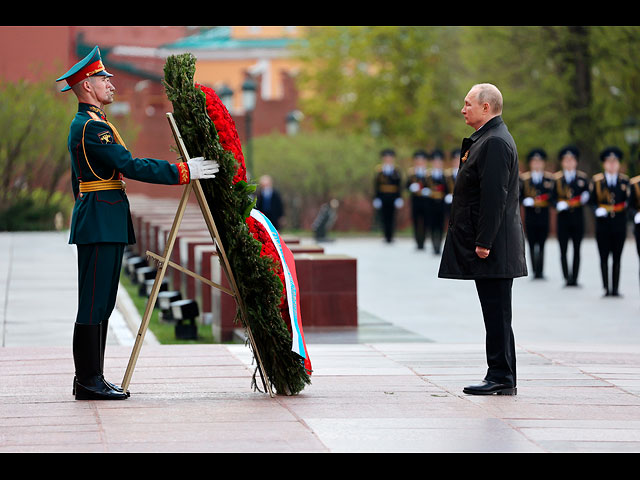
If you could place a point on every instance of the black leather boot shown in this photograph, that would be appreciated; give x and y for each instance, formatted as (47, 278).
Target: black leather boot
(104, 328)
(90, 384)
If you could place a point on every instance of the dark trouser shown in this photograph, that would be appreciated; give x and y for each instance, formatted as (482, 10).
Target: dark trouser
(570, 227)
(537, 225)
(98, 276)
(495, 299)
(436, 223)
(636, 232)
(388, 213)
(420, 220)
(610, 237)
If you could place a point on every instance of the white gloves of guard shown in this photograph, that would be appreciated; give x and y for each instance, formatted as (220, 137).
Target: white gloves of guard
(528, 202)
(636, 218)
(601, 212)
(201, 169)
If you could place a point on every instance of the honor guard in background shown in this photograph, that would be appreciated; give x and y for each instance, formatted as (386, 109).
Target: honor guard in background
(450, 175)
(634, 208)
(437, 190)
(609, 198)
(536, 187)
(416, 183)
(570, 194)
(101, 222)
(388, 196)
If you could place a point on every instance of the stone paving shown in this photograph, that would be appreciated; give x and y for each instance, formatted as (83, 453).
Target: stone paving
(393, 385)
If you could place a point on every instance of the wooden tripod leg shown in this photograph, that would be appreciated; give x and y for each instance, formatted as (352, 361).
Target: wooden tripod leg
(213, 230)
(155, 290)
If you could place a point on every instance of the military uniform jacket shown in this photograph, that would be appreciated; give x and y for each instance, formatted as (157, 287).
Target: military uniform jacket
(613, 199)
(421, 180)
(541, 193)
(570, 192)
(387, 187)
(438, 186)
(486, 211)
(634, 196)
(98, 154)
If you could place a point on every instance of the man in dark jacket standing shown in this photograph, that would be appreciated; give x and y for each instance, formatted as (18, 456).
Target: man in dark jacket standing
(485, 240)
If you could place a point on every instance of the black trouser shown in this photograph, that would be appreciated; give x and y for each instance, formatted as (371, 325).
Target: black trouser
(636, 232)
(537, 225)
(436, 223)
(387, 216)
(610, 237)
(570, 227)
(419, 213)
(495, 299)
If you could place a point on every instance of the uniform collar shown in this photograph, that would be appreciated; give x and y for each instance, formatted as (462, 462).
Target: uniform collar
(86, 107)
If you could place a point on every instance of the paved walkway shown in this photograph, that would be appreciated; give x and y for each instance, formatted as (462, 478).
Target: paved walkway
(395, 385)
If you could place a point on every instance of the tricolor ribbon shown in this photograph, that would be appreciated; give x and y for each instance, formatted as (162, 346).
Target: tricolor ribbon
(298, 344)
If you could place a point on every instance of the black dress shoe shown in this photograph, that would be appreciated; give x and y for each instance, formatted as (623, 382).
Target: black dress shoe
(489, 388)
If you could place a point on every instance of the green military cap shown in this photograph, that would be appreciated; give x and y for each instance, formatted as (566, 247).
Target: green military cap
(87, 67)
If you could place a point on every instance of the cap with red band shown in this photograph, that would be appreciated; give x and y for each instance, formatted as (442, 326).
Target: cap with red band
(85, 68)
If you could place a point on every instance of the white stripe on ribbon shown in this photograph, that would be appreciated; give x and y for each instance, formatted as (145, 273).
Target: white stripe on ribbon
(297, 341)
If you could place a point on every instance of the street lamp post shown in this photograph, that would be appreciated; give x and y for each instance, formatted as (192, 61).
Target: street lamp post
(226, 96)
(293, 122)
(632, 137)
(249, 103)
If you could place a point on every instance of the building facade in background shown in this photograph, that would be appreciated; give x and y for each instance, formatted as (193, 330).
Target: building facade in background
(226, 57)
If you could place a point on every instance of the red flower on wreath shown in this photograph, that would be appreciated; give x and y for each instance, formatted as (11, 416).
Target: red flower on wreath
(226, 129)
(230, 141)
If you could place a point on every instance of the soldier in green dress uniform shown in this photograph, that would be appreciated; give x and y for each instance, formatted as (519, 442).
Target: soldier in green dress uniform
(609, 199)
(387, 192)
(536, 186)
(101, 222)
(570, 194)
(416, 183)
(634, 208)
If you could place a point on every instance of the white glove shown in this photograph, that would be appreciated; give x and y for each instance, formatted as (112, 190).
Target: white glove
(426, 192)
(528, 202)
(377, 203)
(601, 212)
(414, 187)
(448, 198)
(201, 169)
(398, 202)
(561, 205)
(636, 218)
(584, 198)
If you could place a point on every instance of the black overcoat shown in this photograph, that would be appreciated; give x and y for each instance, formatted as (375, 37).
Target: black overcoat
(485, 210)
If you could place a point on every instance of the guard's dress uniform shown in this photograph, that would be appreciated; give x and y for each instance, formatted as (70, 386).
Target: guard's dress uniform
(416, 182)
(609, 197)
(101, 225)
(538, 188)
(387, 190)
(437, 185)
(570, 221)
(634, 208)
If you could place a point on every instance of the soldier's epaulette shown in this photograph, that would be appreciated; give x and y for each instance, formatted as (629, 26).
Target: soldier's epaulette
(448, 171)
(598, 177)
(624, 176)
(411, 171)
(525, 175)
(558, 175)
(580, 173)
(635, 180)
(547, 175)
(378, 168)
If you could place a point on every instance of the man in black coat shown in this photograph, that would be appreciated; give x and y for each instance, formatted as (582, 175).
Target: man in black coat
(485, 240)
(269, 202)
